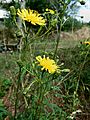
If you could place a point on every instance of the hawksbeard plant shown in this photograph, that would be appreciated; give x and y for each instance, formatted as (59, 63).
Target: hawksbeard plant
(36, 76)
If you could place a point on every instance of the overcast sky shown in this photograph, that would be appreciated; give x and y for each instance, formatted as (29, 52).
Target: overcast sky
(84, 11)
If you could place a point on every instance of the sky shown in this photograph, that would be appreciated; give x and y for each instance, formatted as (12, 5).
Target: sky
(83, 11)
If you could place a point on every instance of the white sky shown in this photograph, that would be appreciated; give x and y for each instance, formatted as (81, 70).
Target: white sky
(84, 11)
(3, 13)
(5, 0)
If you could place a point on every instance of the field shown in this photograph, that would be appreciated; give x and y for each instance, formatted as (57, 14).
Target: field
(66, 97)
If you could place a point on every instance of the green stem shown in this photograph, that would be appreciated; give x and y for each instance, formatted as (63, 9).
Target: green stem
(40, 97)
(17, 89)
(57, 40)
(59, 30)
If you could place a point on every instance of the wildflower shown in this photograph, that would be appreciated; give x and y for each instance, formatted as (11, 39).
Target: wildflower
(47, 64)
(87, 43)
(50, 11)
(31, 16)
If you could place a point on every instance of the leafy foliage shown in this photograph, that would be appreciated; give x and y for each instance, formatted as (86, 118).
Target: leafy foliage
(78, 60)
(72, 22)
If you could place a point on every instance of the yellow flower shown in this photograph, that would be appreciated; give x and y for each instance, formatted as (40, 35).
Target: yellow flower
(31, 16)
(47, 64)
(50, 11)
(88, 43)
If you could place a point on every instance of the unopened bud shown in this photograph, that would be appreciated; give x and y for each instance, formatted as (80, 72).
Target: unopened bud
(12, 10)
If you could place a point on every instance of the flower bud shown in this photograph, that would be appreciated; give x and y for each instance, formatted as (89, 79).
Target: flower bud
(13, 10)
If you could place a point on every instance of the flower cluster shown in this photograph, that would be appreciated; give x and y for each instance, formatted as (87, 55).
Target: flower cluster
(47, 64)
(31, 16)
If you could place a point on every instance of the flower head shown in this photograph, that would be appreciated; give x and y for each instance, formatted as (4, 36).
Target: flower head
(31, 16)
(47, 64)
(50, 11)
(87, 43)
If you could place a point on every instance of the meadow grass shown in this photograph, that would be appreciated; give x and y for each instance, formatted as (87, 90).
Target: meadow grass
(68, 91)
